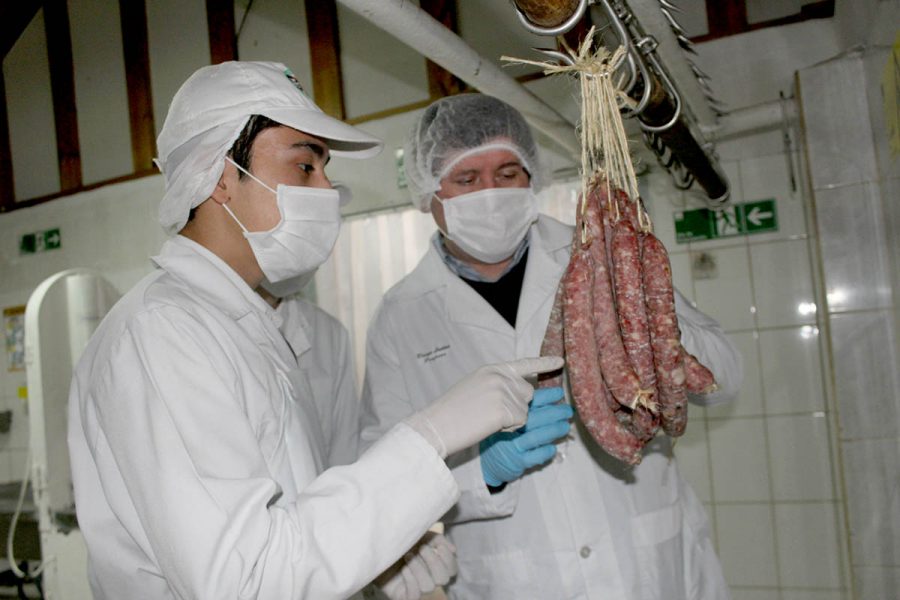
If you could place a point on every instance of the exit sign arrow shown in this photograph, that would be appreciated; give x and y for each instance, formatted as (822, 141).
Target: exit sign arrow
(757, 215)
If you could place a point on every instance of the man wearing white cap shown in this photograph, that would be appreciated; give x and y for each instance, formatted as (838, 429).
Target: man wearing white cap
(196, 465)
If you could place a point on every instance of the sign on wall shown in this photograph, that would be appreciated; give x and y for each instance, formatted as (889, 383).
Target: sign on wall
(14, 332)
(759, 216)
(39, 241)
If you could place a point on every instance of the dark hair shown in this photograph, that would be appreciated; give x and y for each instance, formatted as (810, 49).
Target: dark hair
(242, 150)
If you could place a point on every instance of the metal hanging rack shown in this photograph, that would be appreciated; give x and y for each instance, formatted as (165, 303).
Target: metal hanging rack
(667, 123)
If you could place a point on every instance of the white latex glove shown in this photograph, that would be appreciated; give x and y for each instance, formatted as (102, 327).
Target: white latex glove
(430, 563)
(493, 398)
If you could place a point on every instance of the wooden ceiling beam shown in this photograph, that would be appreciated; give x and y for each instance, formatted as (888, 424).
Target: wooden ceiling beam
(62, 85)
(325, 56)
(222, 37)
(135, 49)
(442, 82)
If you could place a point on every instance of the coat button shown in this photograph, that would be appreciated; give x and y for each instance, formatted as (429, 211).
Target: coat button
(585, 551)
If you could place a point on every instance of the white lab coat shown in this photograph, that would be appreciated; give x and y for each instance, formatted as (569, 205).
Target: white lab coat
(582, 526)
(324, 373)
(198, 472)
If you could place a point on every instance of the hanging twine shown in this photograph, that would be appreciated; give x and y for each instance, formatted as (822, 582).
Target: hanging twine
(604, 145)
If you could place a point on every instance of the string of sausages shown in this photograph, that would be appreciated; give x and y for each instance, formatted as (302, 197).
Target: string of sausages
(614, 320)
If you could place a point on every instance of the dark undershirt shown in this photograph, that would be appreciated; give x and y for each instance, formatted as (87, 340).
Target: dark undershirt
(503, 296)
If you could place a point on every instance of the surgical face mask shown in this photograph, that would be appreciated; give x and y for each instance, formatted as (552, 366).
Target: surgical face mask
(303, 238)
(491, 223)
(288, 287)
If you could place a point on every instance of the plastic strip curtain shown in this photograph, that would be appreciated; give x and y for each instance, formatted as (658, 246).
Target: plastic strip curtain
(375, 251)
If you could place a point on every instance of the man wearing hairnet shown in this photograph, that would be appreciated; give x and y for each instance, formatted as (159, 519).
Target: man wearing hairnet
(536, 519)
(197, 464)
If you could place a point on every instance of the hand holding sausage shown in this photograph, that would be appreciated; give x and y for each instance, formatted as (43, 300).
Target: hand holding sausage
(493, 398)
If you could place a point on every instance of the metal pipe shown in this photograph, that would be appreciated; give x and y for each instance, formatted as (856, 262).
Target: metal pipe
(754, 119)
(421, 32)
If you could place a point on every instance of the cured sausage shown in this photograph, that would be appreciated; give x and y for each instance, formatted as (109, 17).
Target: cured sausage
(614, 365)
(665, 337)
(697, 378)
(553, 344)
(585, 378)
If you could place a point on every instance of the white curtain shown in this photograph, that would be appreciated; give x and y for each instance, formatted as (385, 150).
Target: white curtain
(375, 251)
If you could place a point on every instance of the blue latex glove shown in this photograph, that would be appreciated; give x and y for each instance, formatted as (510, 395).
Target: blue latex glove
(505, 456)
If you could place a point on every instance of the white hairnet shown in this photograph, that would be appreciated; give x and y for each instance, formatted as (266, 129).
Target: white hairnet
(459, 126)
(210, 110)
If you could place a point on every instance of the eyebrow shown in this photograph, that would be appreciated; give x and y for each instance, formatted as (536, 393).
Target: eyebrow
(317, 149)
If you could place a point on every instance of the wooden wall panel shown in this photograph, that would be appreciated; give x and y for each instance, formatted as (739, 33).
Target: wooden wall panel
(133, 15)
(62, 83)
(325, 56)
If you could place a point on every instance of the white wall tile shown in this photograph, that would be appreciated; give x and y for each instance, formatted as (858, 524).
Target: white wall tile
(866, 376)
(854, 248)
(800, 457)
(681, 274)
(816, 594)
(792, 370)
(877, 583)
(738, 593)
(782, 283)
(808, 545)
(739, 466)
(767, 177)
(872, 472)
(727, 297)
(840, 149)
(749, 401)
(747, 544)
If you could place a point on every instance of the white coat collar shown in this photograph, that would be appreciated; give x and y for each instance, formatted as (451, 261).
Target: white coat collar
(212, 279)
(464, 305)
(294, 326)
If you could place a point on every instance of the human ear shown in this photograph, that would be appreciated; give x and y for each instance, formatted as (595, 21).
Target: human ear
(221, 193)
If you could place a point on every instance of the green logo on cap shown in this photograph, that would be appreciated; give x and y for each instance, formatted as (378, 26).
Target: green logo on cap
(292, 79)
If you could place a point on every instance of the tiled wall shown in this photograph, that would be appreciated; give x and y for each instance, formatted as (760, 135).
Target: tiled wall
(856, 192)
(764, 465)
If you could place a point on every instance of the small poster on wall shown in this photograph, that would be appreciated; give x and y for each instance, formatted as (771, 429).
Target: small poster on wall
(14, 328)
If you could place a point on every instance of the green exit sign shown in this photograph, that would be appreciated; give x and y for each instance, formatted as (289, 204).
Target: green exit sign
(49, 239)
(759, 216)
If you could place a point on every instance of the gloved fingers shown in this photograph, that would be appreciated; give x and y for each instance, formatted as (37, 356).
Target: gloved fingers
(542, 435)
(439, 565)
(446, 553)
(396, 589)
(416, 573)
(544, 396)
(544, 415)
(540, 455)
(524, 367)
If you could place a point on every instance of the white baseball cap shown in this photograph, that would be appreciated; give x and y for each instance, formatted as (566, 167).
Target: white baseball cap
(210, 110)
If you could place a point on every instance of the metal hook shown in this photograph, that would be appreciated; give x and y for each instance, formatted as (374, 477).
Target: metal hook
(559, 29)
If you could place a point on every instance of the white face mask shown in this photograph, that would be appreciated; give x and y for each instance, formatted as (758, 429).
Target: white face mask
(303, 239)
(288, 287)
(491, 223)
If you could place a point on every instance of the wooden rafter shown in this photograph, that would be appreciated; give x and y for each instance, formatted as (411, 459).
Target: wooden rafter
(729, 17)
(62, 85)
(442, 82)
(325, 56)
(222, 38)
(133, 16)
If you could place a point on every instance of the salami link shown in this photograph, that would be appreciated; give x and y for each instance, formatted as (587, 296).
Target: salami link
(617, 371)
(585, 378)
(665, 337)
(553, 344)
(697, 378)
